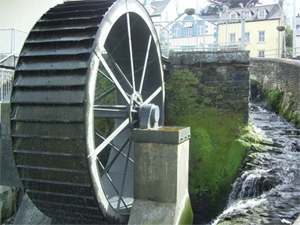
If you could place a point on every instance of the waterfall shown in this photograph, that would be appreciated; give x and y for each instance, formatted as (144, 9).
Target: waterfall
(268, 189)
(255, 92)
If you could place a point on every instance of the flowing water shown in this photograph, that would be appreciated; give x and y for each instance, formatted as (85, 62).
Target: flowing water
(268, 189)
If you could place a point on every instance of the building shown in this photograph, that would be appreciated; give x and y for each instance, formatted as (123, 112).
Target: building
(263, 33)
(298, 35)
(162, 10)
(190, 32)
(161, 13)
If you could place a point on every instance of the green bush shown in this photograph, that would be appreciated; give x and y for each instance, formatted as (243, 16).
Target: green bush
(274, 101)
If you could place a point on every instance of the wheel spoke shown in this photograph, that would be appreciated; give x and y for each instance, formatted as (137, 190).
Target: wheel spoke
(130, 51)
(105, 76)
(109, 138)
(122, 39)
(111, 182)
(124, 77)
(151, 97)
(106, 92)
(112, 88)
(110, 111)
(119, 151)
(145, 64)
(124, 174)
(102, 60)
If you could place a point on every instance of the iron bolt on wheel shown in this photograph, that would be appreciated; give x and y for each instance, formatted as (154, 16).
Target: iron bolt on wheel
(86, 72)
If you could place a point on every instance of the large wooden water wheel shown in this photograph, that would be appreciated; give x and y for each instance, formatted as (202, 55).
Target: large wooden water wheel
(87, 74)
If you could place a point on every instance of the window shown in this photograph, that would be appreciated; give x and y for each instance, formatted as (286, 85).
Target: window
(176, 31)
(200, 29)
(188, 26)
(233, 16)
(261, 36)
(247, 15)
(262, 14)
(232, 38)
(261, 53)
(247, 37)
(188, 31)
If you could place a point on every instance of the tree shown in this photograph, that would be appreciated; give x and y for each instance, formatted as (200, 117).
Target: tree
(219, 4)
(289, 37)
(208, 10)
(243, 3)
(289, 41)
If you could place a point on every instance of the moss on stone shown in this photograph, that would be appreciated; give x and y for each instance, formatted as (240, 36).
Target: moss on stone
(216, 152)
(274, 98)
(187, 214)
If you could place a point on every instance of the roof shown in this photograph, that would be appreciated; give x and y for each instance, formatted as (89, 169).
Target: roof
(185, 16)
(273, 12)
(159, 7)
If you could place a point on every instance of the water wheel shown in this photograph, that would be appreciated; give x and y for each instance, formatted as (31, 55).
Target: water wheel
(88, 73)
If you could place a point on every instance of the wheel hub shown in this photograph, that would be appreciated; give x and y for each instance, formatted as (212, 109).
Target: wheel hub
(147, 115)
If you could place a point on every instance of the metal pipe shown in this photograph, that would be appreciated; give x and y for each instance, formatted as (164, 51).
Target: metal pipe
(243, 34)
(294, 31)
(1, 85)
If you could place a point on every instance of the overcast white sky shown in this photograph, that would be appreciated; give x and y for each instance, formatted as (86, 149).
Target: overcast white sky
(288, 5)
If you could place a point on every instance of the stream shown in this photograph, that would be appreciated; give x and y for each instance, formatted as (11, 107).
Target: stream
(268, 188)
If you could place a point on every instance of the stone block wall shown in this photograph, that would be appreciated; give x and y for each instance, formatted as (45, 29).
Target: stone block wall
(282, 75)
(223, 77)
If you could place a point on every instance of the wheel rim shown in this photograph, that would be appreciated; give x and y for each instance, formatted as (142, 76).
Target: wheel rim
(127, 64)
(75, 103)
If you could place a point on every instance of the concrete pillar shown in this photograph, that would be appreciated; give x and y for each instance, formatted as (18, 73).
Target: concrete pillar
(161, 177)
(8, 171)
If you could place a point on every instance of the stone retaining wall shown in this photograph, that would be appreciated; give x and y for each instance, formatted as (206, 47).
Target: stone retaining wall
(225, 74)
(282, 75)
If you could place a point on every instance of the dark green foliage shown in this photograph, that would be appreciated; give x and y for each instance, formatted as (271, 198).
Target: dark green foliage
(274, 101)
(289, 37)
(289, 41)
(219, 4)
(208, 10)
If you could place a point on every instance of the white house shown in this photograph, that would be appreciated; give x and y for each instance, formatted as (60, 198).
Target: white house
(162, 12)
(192, 32)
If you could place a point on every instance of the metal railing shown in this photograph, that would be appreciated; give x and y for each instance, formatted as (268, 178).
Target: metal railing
(201, 35)
(6, 82)
(11, 40)
(11, 43)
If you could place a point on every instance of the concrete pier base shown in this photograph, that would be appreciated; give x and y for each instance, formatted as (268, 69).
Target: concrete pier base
(8, 171)
(161, 177)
